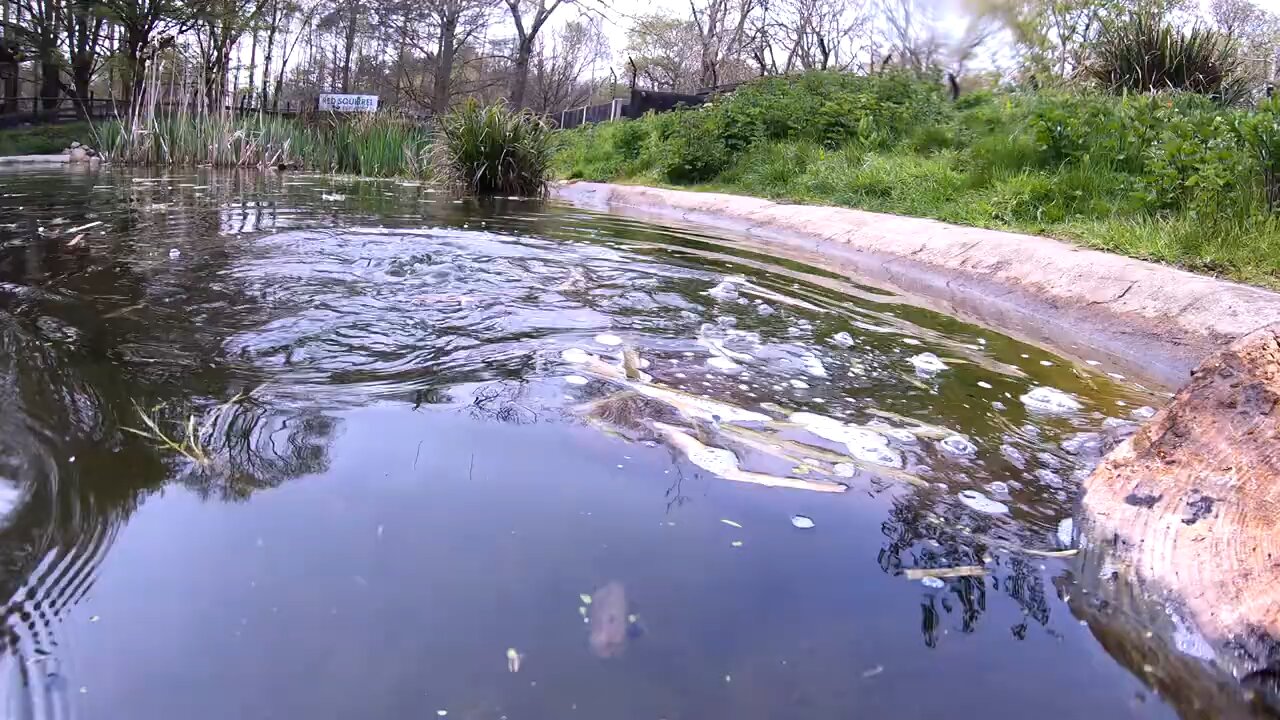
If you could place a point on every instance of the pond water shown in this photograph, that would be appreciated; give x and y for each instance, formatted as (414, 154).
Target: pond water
(294, 446)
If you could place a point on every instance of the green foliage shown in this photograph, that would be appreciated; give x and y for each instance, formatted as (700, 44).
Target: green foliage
(1260, 133)
(382, 144)
(1142, 52)
(1191, 179)
(493, 150)
(43, 140)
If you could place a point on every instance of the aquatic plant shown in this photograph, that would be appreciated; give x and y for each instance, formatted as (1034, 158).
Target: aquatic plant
(493, 150)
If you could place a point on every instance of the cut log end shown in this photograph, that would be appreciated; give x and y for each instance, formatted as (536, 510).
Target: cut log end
(1191, 502)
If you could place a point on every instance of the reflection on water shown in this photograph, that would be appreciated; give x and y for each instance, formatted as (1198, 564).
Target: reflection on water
(444, 434)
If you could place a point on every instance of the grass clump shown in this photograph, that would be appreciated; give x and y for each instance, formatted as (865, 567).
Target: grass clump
(43, 140)
(378, 145)
(494, 150)
(1176, 177)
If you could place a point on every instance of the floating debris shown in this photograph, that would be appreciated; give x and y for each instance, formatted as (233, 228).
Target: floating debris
(332, 197)
(984, 385)
(977, 501)
(609, 340)
(842, 339)
(608, 621)
(576, 380)
(174, 253)
(928, 363)
(799, 384)
(862, 443)
(946, 572)
(802, 522)
(724, 463)
(731, 523)
(872, 672)
(513, 660)
(736, 543)
(999, 488)
(1066, 532)
(933, 583)
(1050, 400)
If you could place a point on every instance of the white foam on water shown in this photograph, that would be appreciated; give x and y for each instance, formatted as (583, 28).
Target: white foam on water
(722, 363)
(958, 445)
(813, 366)
(984, 385)
(576, 356)
(1050, 400)
(928, 363)
(977, 501)
(725, 291)
(575, 380)
(842, 339)
(799, 384)
(609, 340)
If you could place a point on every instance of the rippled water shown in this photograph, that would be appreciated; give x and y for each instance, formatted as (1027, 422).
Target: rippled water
(508, 459)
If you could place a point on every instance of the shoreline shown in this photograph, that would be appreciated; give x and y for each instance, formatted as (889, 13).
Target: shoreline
(1152, 320)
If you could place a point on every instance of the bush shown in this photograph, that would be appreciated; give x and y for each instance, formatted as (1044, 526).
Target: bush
(1140, 52)
(692, 146)
(493, 150)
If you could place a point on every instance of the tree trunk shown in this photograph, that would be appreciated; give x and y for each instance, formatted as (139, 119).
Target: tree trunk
(349, 46)
(269, 51)
(1189, 504)
(441, 89)
(50, 82)
(520, 73)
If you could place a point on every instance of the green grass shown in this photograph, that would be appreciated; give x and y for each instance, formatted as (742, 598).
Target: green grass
(44, 139)
(1165, 178)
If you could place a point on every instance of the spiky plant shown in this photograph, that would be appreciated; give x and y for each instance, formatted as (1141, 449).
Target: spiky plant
(1140, 52)
(493, 150)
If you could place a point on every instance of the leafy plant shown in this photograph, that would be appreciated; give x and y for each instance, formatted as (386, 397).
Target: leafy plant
(493, 150)
(1140, 52)
(1260, 133)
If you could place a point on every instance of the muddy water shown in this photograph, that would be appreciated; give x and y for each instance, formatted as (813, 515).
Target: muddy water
(290, 446)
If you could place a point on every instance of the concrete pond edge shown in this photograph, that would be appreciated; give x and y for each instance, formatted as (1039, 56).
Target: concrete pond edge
(1155, 321)
(1168, 326)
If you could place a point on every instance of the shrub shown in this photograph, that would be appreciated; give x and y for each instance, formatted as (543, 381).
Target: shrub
(1260, 133)
(692, 146)
(1140, 52)
(493, 150)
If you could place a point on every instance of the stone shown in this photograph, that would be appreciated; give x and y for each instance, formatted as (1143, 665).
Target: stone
(1190, 503)
(79, 155)
(75, 145)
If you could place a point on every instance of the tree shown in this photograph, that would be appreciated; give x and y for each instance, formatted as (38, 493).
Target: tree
(221, 23)
(1255, 30)
(665, 53)
(529, 17)
(143, 23)
(557, 70)
(723, 34)
(84, 29)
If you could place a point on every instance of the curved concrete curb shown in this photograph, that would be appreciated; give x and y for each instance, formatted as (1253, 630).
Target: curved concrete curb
(1156, 321)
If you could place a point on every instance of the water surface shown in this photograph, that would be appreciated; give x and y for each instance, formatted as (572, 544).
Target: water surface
(427, 483)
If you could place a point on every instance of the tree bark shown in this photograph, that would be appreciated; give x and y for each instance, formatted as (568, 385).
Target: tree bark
(520, 70)
(1190, 505)
(349, 46)
(441, 89)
